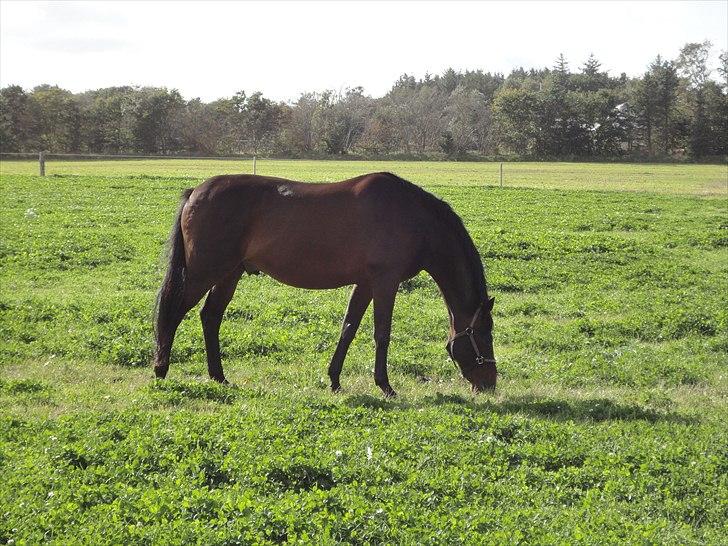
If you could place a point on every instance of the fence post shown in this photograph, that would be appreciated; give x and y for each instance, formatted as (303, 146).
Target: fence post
(254, 164)
(41, 161)
(501, 174)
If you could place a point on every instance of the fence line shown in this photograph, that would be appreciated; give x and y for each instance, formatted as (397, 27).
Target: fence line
(124, 156)
(44, 156)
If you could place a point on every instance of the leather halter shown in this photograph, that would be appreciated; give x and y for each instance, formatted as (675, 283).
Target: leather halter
(479, 358)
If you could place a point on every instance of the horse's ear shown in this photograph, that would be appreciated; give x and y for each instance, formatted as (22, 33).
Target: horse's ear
(490, 303)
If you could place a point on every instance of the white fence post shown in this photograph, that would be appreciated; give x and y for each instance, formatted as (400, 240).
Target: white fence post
(41, 161)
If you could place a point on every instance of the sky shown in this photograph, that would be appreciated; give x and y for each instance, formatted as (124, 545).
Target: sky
(214, 49)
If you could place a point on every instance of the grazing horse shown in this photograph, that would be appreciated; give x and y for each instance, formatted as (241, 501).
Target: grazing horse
(373, 232)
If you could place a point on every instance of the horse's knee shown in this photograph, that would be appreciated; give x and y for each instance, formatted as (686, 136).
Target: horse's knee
(347, 331)
(381, 341)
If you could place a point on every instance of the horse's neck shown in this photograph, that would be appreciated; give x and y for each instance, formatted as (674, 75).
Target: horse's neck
(449, 268)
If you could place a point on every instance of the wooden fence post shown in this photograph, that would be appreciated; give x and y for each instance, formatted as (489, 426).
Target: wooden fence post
(41, 161)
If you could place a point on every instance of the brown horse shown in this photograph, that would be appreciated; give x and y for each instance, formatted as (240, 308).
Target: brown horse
(373, 232)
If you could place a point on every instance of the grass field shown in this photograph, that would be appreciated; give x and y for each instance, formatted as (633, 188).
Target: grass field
(608, 425)
(662, 178)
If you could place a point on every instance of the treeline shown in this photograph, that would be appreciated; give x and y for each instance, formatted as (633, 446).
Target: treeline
(674, 110)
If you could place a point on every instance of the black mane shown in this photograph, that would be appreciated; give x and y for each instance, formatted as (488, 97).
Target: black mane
(449, 217)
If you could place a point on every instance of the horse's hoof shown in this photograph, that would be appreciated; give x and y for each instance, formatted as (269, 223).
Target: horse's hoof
(389, 393)
(159, 372)
(336, 389)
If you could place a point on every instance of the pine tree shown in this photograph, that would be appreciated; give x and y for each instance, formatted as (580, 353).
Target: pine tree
(591, 66)
(562, 66)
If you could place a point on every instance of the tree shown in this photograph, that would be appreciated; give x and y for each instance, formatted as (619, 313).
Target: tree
(591, 66)
(399, 104)
(449, 81)
(692, 63)
(262, 119)
(57, 118)
(227, 126)
(154, 108)
(107, 120)
(303, 128)
(644, 100)
(515, 112)
(469, 121)
(716, 119)
(560, 73)
(198, 128)
(427, 107)
(655, 100)
(485, 83)
(537, 112)
(723, 69)
(561, 66)
(344, 117)
(380, 135)
(591, 79)
(16, 121)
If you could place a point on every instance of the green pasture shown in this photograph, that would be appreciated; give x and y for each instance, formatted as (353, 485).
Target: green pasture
(652, 177)
(608, 425)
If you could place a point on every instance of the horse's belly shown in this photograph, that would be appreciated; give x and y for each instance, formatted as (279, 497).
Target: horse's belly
(301, 279)
(304, 267)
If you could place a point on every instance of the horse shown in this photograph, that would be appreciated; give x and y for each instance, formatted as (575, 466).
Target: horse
(373, 232)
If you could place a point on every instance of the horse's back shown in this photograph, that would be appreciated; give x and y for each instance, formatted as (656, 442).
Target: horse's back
(306, 234)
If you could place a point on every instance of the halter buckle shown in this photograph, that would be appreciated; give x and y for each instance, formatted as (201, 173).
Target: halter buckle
(468, 331)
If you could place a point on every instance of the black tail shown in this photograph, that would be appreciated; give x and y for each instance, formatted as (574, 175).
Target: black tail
(171, 293)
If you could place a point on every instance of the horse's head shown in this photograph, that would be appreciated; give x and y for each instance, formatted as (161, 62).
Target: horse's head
(472, 349)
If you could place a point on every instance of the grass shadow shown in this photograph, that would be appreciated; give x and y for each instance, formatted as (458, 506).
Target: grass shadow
(557, 409)
(587, 409)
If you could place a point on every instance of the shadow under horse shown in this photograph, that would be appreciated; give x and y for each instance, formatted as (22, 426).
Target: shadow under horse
(373, 232)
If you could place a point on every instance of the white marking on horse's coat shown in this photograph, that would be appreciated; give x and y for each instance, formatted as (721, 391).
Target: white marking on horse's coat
(285, 191)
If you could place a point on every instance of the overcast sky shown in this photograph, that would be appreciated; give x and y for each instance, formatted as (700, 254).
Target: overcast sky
(212, 49)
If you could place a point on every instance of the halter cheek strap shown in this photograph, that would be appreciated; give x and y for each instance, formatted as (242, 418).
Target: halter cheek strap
(479, 358)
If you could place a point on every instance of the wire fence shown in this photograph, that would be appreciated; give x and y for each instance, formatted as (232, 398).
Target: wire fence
(50, 155)
(689, 179)
(44, 157)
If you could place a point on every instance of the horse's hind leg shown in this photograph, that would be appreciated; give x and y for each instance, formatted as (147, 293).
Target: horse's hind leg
(211, 316)
(358, 303)
(175, 308)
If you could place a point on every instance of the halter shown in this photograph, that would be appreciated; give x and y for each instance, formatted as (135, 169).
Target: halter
(479, 358)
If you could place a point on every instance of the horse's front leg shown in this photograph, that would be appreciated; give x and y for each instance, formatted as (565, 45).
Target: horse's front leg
(384, 295)
(358, 303)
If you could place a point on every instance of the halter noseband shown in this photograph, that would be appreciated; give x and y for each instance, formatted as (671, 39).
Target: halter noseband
(479, 358)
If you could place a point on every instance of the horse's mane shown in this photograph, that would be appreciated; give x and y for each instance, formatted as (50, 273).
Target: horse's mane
(454, 223)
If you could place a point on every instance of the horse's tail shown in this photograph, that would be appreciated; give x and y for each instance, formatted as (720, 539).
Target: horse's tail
(169, 299)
